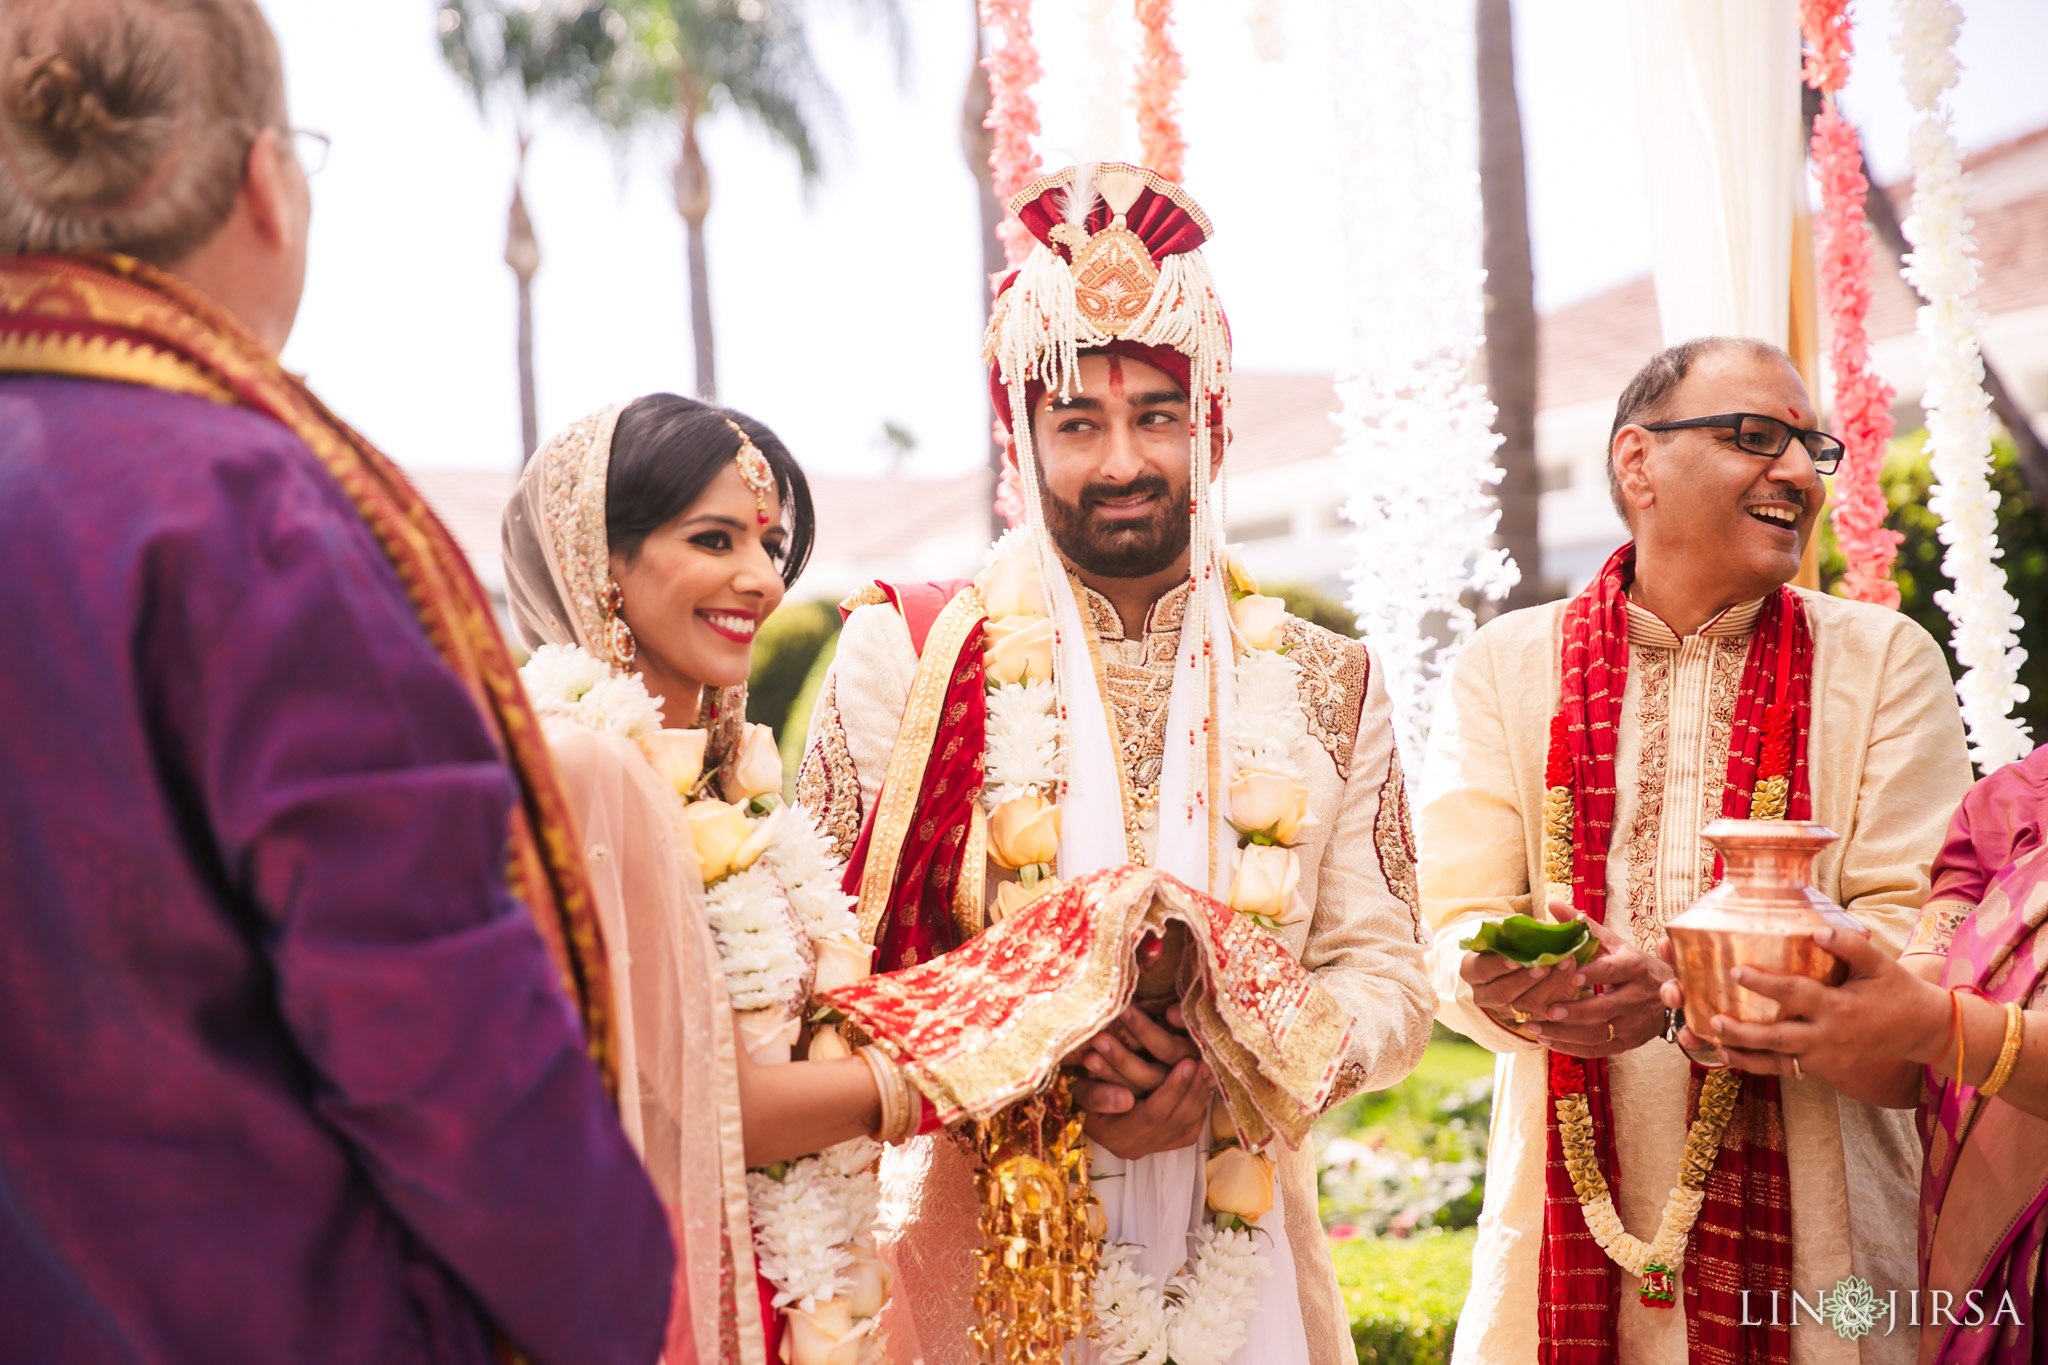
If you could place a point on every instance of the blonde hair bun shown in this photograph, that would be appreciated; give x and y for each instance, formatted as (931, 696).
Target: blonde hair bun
(124, 124)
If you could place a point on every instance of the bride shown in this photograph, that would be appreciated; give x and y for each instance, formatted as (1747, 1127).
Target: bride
(643, 549)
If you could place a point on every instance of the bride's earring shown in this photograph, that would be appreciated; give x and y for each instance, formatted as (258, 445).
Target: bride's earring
(618, 636)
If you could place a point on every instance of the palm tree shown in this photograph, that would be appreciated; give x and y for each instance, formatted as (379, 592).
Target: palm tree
(563, 54)
(753, 57)
(977, 144)
(1510, 298)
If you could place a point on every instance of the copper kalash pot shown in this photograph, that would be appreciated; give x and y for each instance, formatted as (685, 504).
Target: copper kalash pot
(1762, 915)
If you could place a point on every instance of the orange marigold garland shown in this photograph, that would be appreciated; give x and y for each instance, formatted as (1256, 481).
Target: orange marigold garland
(1156, 95)
(1862, 406)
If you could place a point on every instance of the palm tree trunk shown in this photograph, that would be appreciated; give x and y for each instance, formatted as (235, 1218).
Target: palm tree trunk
(522, 253)
(977, 143)
(693, 202)
(1510, 299)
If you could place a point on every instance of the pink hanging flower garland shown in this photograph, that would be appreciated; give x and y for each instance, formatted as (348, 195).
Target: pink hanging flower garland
(1013, 72)
(1155, 95)
(1862, 416)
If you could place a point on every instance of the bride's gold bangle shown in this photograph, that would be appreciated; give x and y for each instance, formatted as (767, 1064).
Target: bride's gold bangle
(899, 1106)
(2008, 1052)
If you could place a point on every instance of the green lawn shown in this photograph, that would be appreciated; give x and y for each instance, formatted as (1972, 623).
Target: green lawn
(1403, 1295)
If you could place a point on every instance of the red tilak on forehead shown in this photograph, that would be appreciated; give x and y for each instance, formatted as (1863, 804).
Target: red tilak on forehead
(1116, 376)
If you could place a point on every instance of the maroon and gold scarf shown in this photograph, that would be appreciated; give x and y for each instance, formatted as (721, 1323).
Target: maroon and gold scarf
(1742, 1239)
(115, 318)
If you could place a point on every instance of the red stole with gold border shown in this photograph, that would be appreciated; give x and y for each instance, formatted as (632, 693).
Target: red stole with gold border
(1742, 1239)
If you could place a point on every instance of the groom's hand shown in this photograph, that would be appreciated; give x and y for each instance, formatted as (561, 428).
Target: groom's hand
(1171, 1116)
(1135, 1052)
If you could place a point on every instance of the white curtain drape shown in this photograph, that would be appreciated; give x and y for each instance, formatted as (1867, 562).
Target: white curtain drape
(1717, 90)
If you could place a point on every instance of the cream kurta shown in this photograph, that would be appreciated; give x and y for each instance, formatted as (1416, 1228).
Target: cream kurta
(1888, 766)
(1363, 939)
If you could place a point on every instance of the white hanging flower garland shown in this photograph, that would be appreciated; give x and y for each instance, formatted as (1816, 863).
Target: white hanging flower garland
(814, 1219)
(1943, 267)
(1417, 438)
(1200, 1316)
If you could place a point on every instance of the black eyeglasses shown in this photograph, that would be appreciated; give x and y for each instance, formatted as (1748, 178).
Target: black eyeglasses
(1765, 436)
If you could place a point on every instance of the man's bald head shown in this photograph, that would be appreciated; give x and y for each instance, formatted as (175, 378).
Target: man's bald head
(1650, 395)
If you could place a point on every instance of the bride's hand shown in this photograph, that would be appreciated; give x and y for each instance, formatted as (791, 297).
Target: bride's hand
(1170, 1117)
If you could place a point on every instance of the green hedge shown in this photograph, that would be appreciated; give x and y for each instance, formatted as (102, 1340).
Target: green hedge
(1403, 1295)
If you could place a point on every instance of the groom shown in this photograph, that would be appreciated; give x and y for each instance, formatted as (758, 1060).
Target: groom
(919, 774)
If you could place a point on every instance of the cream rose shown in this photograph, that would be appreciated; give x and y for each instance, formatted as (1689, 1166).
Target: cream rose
(1259, 620)
(1262, 883)
(827, 1045)
(827, 1335)
(872, 1280)
(1024, 830)
(677, 755)
(1012, 896)
(841, 962)
(748, 853)
(718, 830)
(1239, 577)
(1010, 587)
(1241, 1182)
(1222, 1127)
(1267, 803)
(768, 1035)
(1018, 647)
(756, 770)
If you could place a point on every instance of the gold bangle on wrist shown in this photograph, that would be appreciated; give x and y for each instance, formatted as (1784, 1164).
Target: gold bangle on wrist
(898, 1104)
(2008, 1052)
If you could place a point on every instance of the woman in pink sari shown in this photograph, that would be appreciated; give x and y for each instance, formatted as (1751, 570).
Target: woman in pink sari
(1951, 1027)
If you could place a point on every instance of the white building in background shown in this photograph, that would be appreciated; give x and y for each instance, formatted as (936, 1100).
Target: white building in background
(1286, 490)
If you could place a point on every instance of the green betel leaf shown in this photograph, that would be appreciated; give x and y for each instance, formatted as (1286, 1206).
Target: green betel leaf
(1532, 942)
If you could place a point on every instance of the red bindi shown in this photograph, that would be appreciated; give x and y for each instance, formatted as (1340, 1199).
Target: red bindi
(1116, 376)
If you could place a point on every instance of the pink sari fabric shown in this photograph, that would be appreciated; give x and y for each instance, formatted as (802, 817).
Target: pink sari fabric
(1984, 1191)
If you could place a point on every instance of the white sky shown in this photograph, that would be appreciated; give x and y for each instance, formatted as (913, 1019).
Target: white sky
(858, 301)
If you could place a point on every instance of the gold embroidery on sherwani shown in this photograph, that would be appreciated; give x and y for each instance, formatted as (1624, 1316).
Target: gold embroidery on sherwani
(826, 783)
(1333, 675)
(1394, 839)
(1724, 689)
(1653, 719)
(896, 807)
(1135, 679)
(870, 596)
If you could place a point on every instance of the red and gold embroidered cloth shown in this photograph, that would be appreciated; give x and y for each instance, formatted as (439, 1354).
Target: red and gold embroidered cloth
(989, 1022)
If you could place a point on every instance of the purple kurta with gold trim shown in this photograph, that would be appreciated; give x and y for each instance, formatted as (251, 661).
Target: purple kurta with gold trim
(285, 1074)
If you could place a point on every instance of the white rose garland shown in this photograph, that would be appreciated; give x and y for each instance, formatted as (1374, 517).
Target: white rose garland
(1943, 267)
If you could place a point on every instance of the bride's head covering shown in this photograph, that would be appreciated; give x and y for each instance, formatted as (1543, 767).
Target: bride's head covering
(608, 481)
(613, 477)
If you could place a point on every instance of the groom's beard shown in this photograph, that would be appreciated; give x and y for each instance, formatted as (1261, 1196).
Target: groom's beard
(1119, 549)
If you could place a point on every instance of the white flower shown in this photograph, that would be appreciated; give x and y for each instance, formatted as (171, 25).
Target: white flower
(1270, 722)
(619, 705)
(557, 676)
(1200, 1317)
(1023, 753)
(806, 1224)
(755, 932)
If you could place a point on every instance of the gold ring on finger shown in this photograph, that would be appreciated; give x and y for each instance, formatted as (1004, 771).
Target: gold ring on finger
(1797, 1074)
(1518, 1016)
(1610, 1030)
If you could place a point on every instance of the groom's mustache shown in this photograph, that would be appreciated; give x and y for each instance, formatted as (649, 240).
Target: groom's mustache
(1145, 485)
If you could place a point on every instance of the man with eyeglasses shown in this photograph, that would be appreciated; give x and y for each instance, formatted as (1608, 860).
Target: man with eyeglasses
(1579, 750)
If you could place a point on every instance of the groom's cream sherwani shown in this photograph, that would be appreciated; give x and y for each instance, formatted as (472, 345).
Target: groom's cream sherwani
(1888, 767)
(1363, 939)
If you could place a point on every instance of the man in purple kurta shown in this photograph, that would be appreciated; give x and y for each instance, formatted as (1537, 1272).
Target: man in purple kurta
(300, 990)
(284, 1073)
